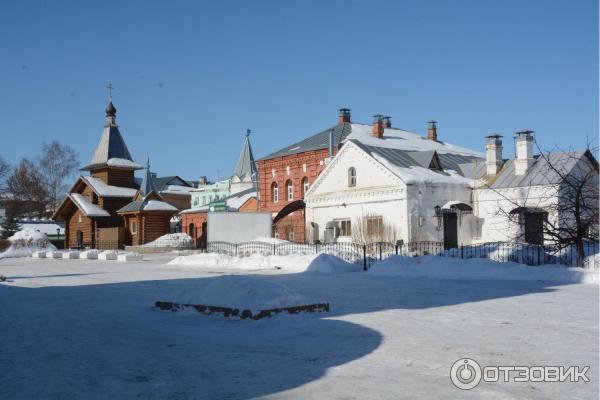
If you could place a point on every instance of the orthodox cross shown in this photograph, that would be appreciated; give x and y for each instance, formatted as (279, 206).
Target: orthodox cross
(110, 88)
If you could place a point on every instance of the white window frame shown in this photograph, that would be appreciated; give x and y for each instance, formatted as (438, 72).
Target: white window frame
(274, 193)
(305, 185)
(289, 188)
(344, 228)
(351, 177)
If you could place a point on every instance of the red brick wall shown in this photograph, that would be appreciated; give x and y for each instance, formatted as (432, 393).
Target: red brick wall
(198, 219)
(315, 163)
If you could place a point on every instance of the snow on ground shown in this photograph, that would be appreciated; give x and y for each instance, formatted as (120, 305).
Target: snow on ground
(88, 329)
(171, 240)
(242, 292)
(270, 240)
(25, 242)
(321, 263)
(476, 268)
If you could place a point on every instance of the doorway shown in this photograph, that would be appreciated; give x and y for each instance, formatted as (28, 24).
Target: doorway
(450, 230)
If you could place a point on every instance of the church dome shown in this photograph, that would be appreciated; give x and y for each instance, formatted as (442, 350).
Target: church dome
(111, 111)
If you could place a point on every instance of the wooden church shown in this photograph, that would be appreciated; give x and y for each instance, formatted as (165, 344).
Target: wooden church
(148, 216)
(98, 205)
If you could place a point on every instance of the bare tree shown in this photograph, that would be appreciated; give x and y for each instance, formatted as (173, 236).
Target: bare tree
(4, 171)
(371, 228)
(567, 207)
(26, 189)
(58, 162)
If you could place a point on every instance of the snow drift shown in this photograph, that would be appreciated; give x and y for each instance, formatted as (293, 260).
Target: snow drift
(25, 242)
(478, 268)
(312, 263)
(176, 240)
(242, 292)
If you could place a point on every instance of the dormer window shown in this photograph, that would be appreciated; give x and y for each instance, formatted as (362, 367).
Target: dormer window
(351, 177)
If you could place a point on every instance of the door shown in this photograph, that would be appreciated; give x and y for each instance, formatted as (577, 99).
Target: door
(450, 231)
(79, 240)
(533, 228)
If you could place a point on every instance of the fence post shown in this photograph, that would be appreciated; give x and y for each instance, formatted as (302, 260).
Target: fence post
(364, 257)
(462, 251)
(273, 248)
(380, 246)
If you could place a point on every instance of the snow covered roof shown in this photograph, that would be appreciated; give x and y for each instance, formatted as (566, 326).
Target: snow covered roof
(104, 190)
(87, 207)
(393, 138)
(111, 149)
(147, 205)
(245, 167)
(539, 173)
(409, 165)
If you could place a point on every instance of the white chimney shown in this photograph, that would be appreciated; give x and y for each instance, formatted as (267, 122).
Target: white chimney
(523, 151)
(493, 154)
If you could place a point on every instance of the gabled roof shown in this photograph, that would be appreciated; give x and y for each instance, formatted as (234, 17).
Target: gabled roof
(539, 172)
(104, 190)
(111, 149)
(87, 207)
(147, 205)
(315, 142)
(245, 167)
(393, 138)
(408, 165)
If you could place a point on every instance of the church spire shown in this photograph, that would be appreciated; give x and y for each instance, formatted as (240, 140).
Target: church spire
(147, 185)
(246, 167)
(111, 111)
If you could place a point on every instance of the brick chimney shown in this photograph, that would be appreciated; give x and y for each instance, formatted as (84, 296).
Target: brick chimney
(387, 121)
(432, 130)
(493, 154)
(344, 116)
(378, 126)
(523, 151)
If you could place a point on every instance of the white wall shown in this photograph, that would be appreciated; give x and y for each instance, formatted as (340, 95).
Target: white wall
(237, 227)
(493, 205)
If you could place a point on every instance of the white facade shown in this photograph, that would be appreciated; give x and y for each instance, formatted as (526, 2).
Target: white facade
(379, 192)
(427, 204)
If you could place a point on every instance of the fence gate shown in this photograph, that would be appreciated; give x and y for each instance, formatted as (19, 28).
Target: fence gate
(110, 238)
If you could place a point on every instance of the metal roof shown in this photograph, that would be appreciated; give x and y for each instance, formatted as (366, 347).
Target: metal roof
(540, 172)
(245, 165)
(407, 159)
(111, 145)
(317, 141)
(147, 185)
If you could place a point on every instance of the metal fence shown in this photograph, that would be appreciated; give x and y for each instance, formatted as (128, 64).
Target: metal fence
(367, 254)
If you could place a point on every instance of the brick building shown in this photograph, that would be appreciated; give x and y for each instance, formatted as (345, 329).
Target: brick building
(285, 175)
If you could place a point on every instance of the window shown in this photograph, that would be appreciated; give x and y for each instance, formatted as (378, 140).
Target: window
(289, 188)
(79, 218)
(305, 186)
(196, 201)
(289, 233)
(133, 227)
(345, 228)
(351, 177)
(274, 192)
(375, 226)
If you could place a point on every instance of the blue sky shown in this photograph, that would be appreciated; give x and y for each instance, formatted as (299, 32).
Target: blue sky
(191, 76)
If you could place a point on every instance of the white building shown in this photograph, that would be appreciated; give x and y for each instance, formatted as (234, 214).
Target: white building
(385, 189)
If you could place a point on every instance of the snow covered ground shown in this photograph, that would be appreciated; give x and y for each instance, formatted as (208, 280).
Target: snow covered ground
(88, 329)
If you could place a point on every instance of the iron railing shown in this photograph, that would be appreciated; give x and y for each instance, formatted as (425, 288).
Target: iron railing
(368, 254)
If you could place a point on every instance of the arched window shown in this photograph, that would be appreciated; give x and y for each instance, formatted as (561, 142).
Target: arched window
(351, 177)
(274, 192)
(305, 186)
(289, 189)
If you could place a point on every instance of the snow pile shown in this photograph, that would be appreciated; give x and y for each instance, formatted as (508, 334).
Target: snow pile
(25, 242)
(171, 240)
(270, 240)
(242, 292)
(478, 268)
(312, 263)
